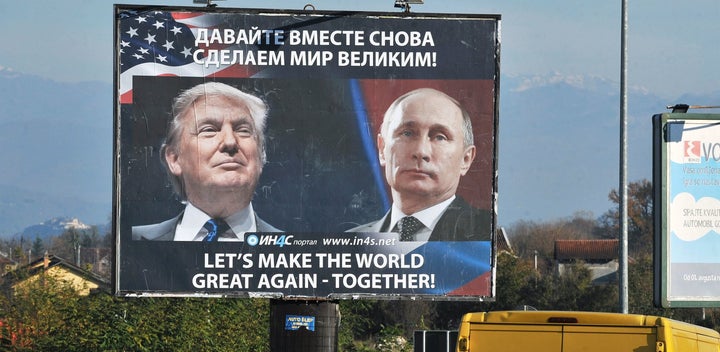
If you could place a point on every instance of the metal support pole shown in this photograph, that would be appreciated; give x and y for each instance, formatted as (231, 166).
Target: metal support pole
(300, 326)
(623, 255)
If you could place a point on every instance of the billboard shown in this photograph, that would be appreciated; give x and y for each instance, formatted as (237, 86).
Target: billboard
(686, 175)
(262, 129)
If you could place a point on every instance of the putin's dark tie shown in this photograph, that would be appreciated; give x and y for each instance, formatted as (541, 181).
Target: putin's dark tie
(408, 227)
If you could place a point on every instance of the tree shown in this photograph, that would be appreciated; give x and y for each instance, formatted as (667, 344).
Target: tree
(38, 247)
(52, 317)
(34, 308)
(357, 323)
(528, 236)
(640, 287)
(67, 244)
(516, 283)
(640, 217)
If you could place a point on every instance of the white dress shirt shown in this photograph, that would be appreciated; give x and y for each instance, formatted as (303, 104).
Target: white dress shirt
(191, 227)
(429, 217)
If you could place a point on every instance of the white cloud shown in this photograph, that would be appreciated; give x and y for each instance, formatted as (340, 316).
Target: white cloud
(691, 220)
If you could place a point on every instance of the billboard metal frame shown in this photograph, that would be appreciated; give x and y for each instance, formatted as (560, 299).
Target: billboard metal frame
(682, 153)
(319, 86)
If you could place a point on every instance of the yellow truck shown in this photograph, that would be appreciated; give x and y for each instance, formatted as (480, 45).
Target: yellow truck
(558, 331)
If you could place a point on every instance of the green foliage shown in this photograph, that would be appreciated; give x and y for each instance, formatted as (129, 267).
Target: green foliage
(52, 317)
(35, 309)
(38, 247)
(516, 282)
(356, 323)
(392, 340)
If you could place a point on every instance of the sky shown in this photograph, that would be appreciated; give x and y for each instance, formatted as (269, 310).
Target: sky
(673, 46)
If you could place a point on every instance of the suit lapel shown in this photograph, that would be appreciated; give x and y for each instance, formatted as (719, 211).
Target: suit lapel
(382, 225)
(262, 226)
(446, 227)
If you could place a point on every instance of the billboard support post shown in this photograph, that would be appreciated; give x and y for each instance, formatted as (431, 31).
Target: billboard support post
(297, 325)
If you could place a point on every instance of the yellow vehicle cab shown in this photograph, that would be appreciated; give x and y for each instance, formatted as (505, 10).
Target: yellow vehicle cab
(560, 331)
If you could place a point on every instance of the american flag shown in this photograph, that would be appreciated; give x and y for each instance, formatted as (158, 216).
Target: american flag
(161, 43)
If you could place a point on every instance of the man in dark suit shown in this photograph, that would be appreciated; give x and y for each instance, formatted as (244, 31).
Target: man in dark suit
(214, 153)
(425, 145)
(165, 231)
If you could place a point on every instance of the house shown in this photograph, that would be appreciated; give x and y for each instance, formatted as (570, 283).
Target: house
(502, 242)
(97, 260)
(599, 256)
(83, 281)
(6, 264)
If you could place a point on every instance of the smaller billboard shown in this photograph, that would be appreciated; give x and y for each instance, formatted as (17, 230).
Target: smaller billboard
(686, 173)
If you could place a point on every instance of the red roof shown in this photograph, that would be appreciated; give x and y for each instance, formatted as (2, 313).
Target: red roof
(586, 249)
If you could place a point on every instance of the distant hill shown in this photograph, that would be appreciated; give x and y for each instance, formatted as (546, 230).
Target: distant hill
(56, 143)
(21, 208)
(54, 227)
(560, 144)
(558, 147)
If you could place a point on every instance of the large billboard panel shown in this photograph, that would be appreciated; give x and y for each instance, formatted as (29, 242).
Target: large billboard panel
(262, 129)
(687, 209)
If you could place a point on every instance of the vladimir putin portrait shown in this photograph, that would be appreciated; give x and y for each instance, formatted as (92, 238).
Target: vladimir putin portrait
(425, 145)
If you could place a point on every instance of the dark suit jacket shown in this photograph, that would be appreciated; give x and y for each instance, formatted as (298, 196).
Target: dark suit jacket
(165, 231)
(459, 222)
